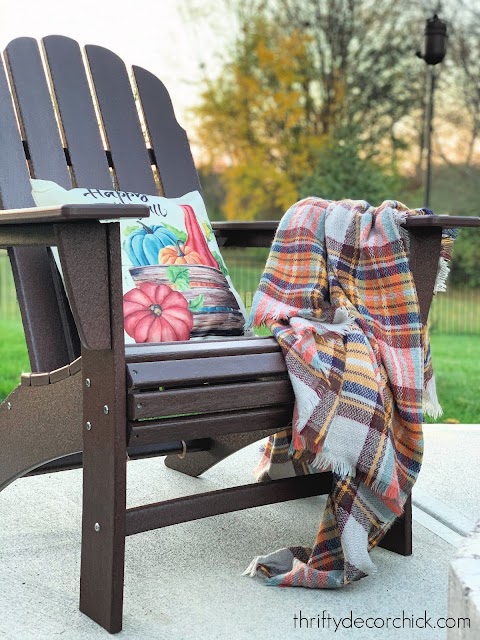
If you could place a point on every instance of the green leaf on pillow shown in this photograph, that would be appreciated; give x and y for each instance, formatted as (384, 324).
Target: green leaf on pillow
(181, 235)
(196, 303)
(221, 263)
(179, 277)
(130, 229)
(207, 230)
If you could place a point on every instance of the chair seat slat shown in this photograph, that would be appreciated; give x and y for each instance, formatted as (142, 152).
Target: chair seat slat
(205, 349)
(152, 375)
(39, 379)
(59, 374)
(227, 422)
(209, 399)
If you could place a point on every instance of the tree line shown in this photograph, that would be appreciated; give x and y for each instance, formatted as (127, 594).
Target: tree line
(327, 97)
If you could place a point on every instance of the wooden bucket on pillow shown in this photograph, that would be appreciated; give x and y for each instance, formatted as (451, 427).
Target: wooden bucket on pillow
(215, 308)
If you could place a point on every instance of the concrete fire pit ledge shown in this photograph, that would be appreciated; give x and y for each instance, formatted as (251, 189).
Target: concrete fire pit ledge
(464, 588)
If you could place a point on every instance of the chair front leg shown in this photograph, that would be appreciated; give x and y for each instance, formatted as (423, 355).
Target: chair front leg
(104, 490)
(91, 265)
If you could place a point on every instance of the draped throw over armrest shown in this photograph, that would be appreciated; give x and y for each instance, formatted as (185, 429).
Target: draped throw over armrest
(73, 213)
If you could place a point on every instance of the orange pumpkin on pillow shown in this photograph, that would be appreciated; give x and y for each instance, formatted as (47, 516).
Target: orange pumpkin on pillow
(179, 254)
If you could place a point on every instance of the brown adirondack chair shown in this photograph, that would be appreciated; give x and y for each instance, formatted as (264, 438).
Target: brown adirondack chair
(88, 392)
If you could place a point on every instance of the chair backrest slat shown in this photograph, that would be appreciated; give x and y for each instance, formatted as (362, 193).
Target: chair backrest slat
(15, 192)
(120, 121)
(75, 106)
(35, 111)
(168, 139)
(35, 281)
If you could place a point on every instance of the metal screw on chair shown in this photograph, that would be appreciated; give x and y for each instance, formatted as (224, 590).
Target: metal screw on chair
(97, 527)
(105, 409)
(87, 382)
(88, 426)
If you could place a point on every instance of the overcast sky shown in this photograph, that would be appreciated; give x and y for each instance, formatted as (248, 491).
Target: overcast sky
(149, 33)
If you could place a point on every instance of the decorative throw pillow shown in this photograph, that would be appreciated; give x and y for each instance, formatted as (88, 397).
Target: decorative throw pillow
(175, 283)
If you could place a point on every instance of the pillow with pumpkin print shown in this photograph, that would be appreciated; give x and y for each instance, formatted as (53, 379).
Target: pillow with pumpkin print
(175, 283)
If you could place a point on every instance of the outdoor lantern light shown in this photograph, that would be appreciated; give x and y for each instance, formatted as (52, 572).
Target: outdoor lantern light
(435, 40)
(435, 48)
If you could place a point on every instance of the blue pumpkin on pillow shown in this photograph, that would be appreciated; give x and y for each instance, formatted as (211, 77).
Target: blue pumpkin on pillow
(143, 244)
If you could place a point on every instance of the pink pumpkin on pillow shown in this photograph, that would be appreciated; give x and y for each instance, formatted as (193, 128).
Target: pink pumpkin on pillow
(156, 313)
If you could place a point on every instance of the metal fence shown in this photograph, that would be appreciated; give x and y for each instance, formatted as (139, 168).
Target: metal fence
(454, 312)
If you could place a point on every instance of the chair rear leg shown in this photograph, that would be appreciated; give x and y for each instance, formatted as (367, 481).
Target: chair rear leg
(399, 537)
(39, 424)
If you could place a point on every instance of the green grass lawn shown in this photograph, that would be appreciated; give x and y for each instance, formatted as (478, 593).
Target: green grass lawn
(456, 360)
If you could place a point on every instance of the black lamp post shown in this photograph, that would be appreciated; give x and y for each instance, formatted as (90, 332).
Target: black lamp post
(435, 48)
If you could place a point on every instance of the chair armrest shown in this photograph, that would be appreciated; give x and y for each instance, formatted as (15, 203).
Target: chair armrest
(445, 222)
(240, 225)
(245, 234)
(260, 233)
(73, 213)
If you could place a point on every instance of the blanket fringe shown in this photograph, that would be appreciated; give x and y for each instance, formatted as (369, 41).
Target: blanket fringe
(342, 323)
(309, 397)
(273, 564)
(442, 275)
(431, 405)
(324, 462)
(251, 570)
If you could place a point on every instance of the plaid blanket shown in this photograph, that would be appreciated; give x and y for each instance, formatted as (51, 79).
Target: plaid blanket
(338, 295)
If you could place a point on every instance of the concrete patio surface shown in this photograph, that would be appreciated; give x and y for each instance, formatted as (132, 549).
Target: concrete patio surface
(185, 582)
